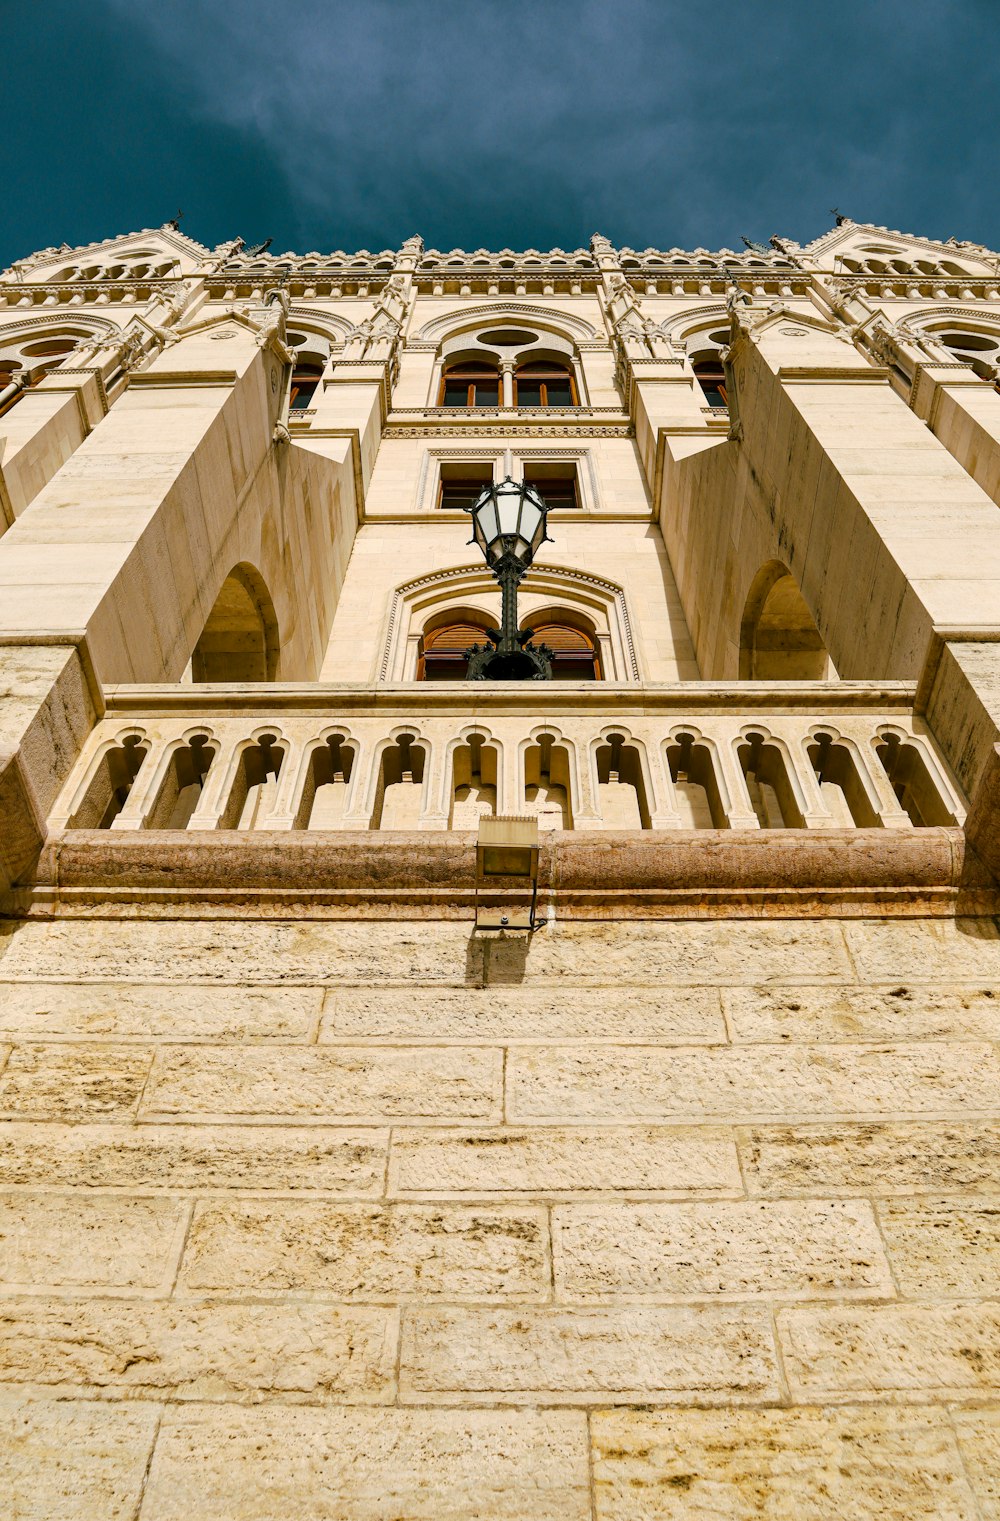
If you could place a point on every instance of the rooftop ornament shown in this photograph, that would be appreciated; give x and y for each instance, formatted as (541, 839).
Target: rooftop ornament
(509, 525)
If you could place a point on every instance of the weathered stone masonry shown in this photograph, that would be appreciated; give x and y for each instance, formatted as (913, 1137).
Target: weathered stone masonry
(313, 1202)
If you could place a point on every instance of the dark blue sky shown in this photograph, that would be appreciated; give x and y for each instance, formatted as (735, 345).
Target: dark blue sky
(326, 124)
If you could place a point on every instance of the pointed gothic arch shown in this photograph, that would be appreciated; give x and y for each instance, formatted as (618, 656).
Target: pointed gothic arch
(779, 640)
(240, 639)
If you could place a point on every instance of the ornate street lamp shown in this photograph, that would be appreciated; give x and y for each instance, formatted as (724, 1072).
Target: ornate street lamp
(508, 524)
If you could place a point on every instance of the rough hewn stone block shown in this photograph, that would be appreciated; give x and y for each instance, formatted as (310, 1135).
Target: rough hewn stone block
(356, 1085)
(230, 951)
(179, 1011)
(73, 1461)
(674, 1016)
(944, 1246)
(560, 1160)
(366, 1251)
(193, 1157)
(900, 1351)
(369, 1465)
(650, 1083)
(789, 1248)
(979, 1440)
(857, 1464)
(903, 1012)
(521, 1356)
(880, 1159)
(73, 1082)
(946, 950)
(50, 1240)
(201, 1352)
(671, 953)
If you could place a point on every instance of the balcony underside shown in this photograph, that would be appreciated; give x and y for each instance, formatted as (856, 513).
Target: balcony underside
(598, 875)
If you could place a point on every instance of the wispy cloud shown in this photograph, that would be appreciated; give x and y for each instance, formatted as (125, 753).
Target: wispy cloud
(535, 121)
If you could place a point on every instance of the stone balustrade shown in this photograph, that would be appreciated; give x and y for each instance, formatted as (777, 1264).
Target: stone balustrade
(588, 756)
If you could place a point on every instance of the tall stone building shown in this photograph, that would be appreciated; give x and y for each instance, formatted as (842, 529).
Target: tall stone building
(320, 1198)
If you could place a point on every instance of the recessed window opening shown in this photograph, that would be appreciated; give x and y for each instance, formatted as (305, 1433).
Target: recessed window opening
(463, 482)
(474, 783)
(544, 383)
(324, 797)
(711, 376)
(400, 785)
(442, 650)
(111, 784)
(557, 482)
(305, 380)
(912, 782)
(768, 784)
(621, 787)
(840, 784)
(696, 787)
(473, 384)
(182, 786)
(574, 652)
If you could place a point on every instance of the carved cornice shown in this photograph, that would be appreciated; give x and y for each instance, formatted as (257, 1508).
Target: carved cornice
(506, 430)
(913, 323)
(446, 323)
(511, 414)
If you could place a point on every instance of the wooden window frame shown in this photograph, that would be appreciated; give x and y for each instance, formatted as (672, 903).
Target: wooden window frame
(453, 658)
(543, 632)
(474, 377)
(714, 373)
(562, 373)
(307, 375)
(539, 482)
(479, 482)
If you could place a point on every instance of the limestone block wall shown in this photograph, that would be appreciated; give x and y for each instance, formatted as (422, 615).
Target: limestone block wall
(366, 1220)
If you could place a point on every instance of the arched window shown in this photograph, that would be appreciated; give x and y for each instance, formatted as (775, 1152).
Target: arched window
(442, 651)
(544, 383)
(980, 351)
(575, 655)
(712, 378)
(37, 357)
(474, 384)
(305, 378)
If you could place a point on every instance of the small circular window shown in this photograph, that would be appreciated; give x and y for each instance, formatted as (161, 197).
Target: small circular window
(508, 337)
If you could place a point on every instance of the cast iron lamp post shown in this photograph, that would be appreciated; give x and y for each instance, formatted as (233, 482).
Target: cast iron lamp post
(508, 524)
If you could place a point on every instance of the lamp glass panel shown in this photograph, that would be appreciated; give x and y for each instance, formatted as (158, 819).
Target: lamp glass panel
(486, 518)
(531, 516)
(506, 861)
(509, 503)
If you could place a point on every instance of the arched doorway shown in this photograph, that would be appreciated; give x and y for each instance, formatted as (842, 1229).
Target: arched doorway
(779, 640)
(240, 639)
